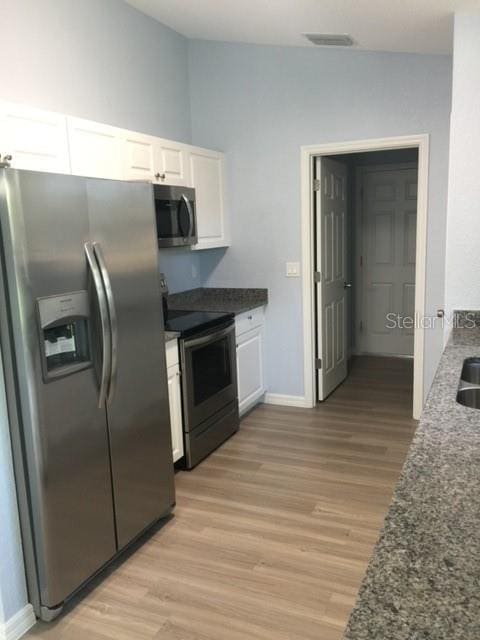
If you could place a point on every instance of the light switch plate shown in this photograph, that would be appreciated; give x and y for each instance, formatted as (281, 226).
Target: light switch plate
(293, 270)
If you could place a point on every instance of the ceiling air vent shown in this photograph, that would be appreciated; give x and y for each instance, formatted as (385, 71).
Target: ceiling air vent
(330, 39)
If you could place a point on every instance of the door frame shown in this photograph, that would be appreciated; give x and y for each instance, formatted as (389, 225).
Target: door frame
(308, 152)
(359, 238)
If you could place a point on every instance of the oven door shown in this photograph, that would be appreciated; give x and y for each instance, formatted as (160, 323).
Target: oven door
(175, 216)
(209, 374)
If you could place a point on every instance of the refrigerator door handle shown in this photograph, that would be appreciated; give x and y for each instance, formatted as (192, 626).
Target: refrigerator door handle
(106, 339)
(113, 319)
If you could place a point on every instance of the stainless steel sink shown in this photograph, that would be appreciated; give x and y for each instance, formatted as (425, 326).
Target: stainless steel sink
(471, 370)
(469, 396)
(468, 392)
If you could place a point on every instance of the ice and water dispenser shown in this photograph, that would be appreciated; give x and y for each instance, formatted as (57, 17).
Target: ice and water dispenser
(64, 334)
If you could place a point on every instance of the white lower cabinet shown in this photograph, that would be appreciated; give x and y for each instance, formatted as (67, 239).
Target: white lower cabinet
(175, 399)
(250, 358)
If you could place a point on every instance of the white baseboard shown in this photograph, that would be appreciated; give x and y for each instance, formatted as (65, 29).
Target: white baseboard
(18, 624)
(286, 401)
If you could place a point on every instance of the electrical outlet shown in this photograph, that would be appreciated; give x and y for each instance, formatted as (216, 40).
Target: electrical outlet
(293, 270)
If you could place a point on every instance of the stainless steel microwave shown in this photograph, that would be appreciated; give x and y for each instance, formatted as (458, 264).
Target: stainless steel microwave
(175, 215)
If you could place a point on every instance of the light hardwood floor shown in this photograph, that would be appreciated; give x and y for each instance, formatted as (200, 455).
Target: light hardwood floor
(272, 534)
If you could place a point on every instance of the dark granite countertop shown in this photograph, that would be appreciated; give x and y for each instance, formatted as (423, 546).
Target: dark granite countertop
(423, 581)
(218, 299)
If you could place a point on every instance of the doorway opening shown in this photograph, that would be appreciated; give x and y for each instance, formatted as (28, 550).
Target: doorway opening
(365, 247)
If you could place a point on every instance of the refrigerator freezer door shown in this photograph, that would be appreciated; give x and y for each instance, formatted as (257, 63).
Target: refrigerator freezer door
(123, 232)
(44, 225)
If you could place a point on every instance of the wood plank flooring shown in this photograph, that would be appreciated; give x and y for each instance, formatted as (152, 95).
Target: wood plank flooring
(272, 534)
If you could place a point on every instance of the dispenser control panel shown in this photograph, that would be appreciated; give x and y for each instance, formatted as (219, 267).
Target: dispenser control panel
(64, 334)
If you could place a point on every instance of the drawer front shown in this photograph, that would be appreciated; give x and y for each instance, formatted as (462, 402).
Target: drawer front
(171, 348)
(249, 320)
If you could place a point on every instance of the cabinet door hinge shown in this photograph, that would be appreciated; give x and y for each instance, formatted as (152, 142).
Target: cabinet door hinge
(318, 363)
(316, 184)
(361, 325)
(317, 276)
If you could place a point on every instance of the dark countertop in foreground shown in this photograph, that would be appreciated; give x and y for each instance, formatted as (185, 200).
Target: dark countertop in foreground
(423, 581)
(218, 299)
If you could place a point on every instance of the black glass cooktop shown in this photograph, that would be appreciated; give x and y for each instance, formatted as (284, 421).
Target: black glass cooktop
(189, 323)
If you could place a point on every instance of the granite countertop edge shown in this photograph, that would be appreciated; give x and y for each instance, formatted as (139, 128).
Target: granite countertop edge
(423, 580)
(220, 299)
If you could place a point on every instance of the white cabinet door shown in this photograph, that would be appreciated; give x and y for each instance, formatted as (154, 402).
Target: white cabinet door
(171, 162)
(36, 139)
(96, 150)
(250, 368)
(176, 420)
(139, 156)
(207, 171)
(155, 159)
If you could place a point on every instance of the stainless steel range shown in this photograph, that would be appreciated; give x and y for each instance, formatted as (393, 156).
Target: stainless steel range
(209, 378)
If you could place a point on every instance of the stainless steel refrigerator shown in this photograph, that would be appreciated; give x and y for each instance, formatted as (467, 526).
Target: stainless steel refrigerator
(83, 348)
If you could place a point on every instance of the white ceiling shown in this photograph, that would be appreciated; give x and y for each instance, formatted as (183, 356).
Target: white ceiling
(417, 26)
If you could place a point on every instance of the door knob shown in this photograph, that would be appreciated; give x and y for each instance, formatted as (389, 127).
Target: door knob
(347, 285)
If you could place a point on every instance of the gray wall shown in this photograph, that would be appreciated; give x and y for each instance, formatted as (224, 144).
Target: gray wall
(260, 104)
(463, 233)
(96, 59)
(102, 60)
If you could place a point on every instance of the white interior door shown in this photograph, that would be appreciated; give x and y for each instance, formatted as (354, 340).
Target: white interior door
(389, 223)
(331, 201)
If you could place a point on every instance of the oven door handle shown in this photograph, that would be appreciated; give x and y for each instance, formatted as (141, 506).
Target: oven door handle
(211, 337)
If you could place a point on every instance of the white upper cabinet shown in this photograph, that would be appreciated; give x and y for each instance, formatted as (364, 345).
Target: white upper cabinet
(150, 158)
(46, 141)
(96, 150)
(207, 175)
(172, 160)
(139, 156)
(36, 139)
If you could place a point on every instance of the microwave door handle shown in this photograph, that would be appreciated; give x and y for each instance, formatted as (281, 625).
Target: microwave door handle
(104, 321)
(190, 214)
(113, 320)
